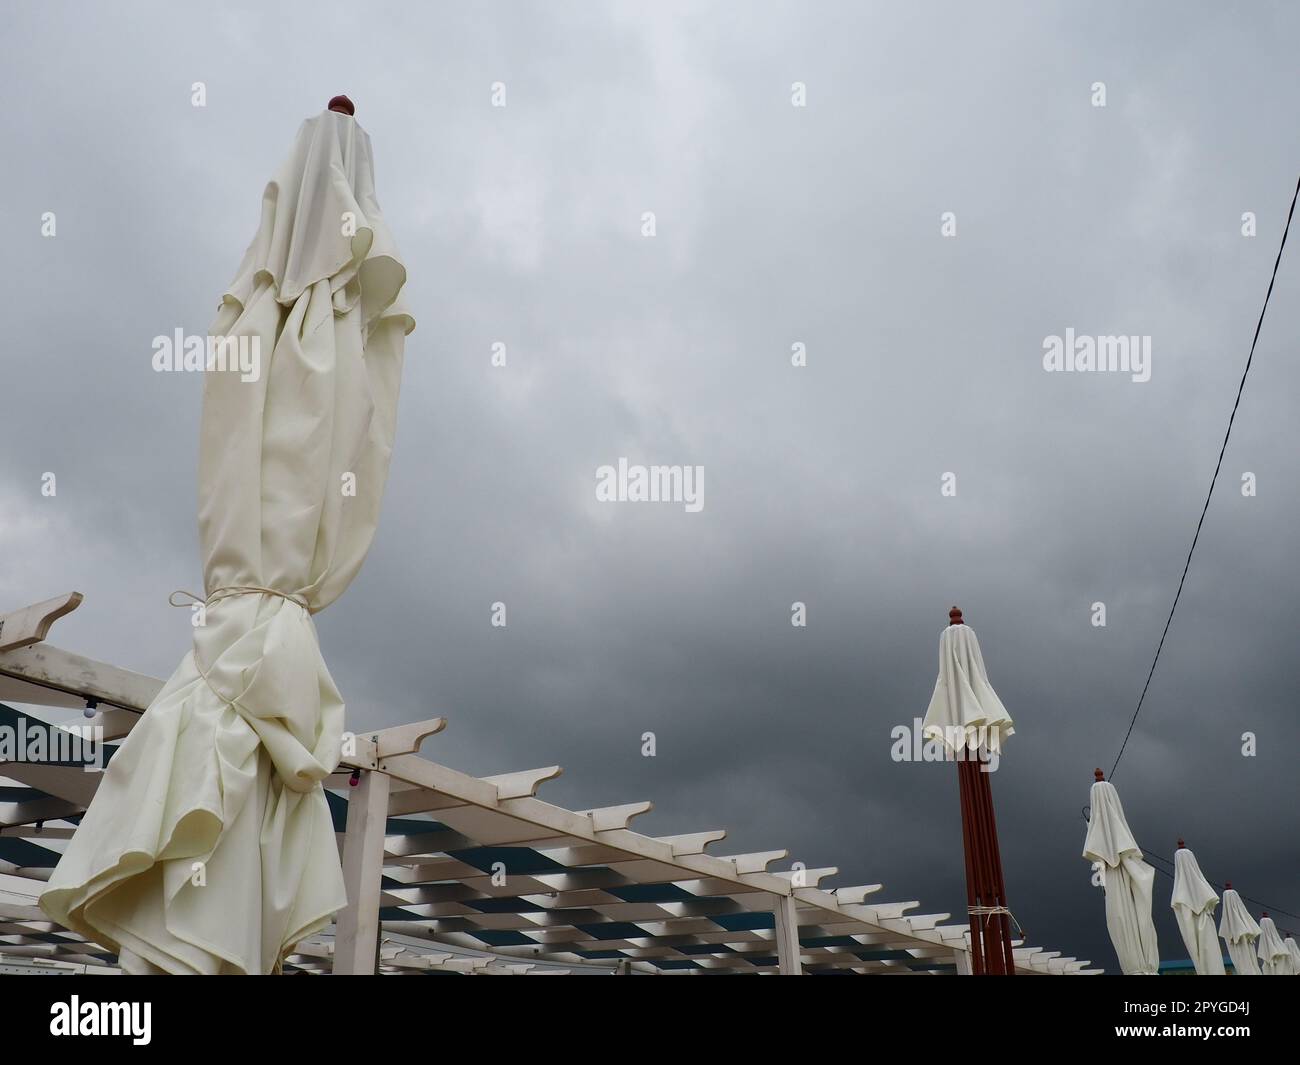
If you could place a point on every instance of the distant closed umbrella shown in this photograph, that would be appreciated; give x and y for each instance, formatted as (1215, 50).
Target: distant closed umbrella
(209, 847)
(1127, 879)
(1237, 928)
(1274, 958)
(1294, 951)
(1194, 902)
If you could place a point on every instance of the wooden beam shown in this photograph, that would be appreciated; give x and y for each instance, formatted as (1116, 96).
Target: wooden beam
(808, 877)
(34, 811)
(523, 783)
(42, 666)
(693, 842)
(406, 739)
(755, 862)
(363, 867)
(27, 626)
(605, 818)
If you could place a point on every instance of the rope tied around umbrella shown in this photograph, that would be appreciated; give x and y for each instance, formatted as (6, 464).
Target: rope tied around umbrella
(239, 589)
(227, 593)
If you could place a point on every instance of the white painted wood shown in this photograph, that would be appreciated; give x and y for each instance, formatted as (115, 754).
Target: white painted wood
(523, 783)
(43, 666)
(889, 911)
(31, 624)
(35, 810)
(926, 921)
(13, 911)
(73, 785)
(16, 690)
(359, 752)
(406, 739)
(363, 865)
(854, 896)
(787, 936)
(413, 769)
(807, 877)
(757, 861)
(33, 833)
(605, 818)
(693, 842)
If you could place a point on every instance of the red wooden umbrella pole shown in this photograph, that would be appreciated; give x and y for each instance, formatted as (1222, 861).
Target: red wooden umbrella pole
(987, 895)
(992, 957)
(974, 850)
(968, 849)
(985, 889)
(1001, 922)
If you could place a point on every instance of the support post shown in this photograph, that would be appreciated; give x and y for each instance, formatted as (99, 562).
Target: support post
(787, 936)
(363, 865)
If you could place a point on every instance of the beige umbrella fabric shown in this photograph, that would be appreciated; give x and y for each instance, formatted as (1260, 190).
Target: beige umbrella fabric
(965, 711)
(209, 847)
(1194, 902)
(1127, 880)
(1237, 928)
(1274, 958)
(1294, 951)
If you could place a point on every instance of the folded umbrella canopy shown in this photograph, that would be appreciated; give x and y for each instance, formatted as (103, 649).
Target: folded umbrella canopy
(1238, 929)
(1274, 958)
(1127, 881)
(964, 711)
(1294, 951)
(1194, 902)
(209, 846)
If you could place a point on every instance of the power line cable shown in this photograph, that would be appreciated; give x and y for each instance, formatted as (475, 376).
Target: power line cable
(1213, 480)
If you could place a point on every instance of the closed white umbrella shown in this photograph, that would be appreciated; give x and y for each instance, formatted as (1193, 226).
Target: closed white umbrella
(209, 847)
(1294, 951)
(1127, 881)
(1274, 958)
(1238, 929)
(964, 710)
(966, 714)
(1194, 902)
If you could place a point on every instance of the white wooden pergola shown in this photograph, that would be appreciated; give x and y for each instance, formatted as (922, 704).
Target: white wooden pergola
(453, 873)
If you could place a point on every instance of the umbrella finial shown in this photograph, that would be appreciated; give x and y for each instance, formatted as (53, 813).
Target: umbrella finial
(1227, 884)
(1264, 914)
(342, 105)
(954, 616)
(1098, 775)
(1181, 844)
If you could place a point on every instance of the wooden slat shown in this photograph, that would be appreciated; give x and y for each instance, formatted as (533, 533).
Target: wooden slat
(21, 628)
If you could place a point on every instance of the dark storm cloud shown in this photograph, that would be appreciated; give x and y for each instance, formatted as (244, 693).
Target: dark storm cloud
(776, 225)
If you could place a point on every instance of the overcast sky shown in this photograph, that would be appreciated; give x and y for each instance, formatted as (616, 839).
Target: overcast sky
(775, 225)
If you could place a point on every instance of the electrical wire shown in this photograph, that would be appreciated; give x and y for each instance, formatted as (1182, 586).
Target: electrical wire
(1213, 480)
